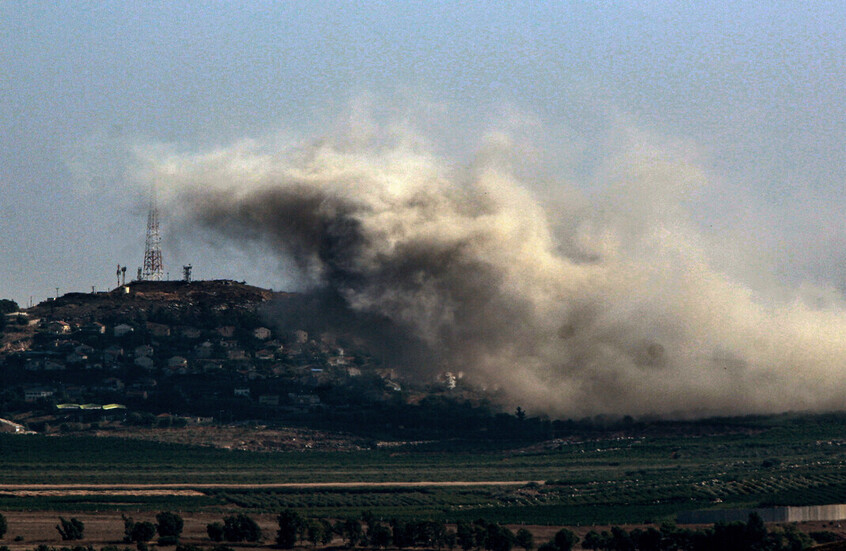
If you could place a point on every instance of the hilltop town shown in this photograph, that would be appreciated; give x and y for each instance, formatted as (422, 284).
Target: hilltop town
(170, 353)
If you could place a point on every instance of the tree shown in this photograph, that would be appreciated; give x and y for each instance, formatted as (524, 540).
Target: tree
(240, 527)
(8, 306)
(565, 540)
(4, 526)
(290, 525)
(647, 540)
(352, 531)
(621, 540)
(380, 535)
(169, 525)
(142, 532)
(128, 524)
(328, 535)
(499, 538)
(314, 531)
(215, 531)
(70, 529)
(525, 539)
(464, 535)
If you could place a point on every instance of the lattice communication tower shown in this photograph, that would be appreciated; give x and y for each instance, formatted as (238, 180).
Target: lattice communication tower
(153, 265)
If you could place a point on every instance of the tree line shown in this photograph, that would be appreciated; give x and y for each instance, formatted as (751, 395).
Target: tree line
(368, 531)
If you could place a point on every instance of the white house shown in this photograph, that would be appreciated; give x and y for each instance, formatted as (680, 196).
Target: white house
(122, 329)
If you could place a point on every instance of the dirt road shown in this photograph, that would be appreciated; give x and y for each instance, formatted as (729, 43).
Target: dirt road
(193, 489)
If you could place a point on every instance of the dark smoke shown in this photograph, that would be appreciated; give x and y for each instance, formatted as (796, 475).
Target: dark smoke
(460, 270)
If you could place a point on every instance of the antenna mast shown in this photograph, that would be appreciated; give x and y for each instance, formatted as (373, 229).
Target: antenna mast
(153, 265)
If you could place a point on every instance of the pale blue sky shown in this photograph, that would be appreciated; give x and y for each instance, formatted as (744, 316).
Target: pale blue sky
(758, 88)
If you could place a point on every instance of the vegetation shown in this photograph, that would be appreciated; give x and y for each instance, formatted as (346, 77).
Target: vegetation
(240, 527)
(605, 478)
(736, 536)
(4, 526)
(169, 527)
(72, 529)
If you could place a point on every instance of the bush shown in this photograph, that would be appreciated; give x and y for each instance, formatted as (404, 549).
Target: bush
(168, 540)
(824, 536)
(72, 529)
(188, 547)
(4, 526)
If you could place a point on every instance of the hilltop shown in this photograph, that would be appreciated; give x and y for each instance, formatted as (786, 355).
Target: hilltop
(143, 297)
(169, 353)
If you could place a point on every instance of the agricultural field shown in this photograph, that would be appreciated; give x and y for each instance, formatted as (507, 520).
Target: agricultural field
(647, 473)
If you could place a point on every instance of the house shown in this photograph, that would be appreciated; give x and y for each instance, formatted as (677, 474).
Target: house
(269, 399)
(158, 329)
(300, 336)
(226, 331)
(143, 350)
(58, 328)
(122, 329)
(94, 328)
(112, 353)
(261, 333)
(50, 365)
(75, 358)
(204, 350)
(212, 366)
(266, 354)
(304, 399)
(37, 393)
(145, 362)
(236, 354)
(337, 361)
(137, 393)
(177, 362)
(112, 384)
(84, 350)
(190, 332)
(75, 392)
(242, 391)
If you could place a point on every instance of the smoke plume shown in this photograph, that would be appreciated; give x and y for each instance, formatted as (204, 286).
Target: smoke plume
(579, 306)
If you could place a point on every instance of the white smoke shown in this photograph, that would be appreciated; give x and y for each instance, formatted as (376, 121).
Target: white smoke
(611, 304)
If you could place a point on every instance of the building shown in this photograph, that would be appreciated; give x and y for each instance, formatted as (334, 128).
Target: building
(261, 333)
(122, 329)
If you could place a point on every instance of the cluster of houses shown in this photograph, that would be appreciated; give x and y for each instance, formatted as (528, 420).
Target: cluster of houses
(134, 362)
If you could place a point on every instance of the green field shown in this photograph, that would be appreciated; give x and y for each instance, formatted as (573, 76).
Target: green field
(643, 474)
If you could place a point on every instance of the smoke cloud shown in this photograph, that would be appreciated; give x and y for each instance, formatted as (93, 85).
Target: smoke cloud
(615, 304)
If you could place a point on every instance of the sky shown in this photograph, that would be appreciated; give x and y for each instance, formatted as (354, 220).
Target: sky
(750, 94)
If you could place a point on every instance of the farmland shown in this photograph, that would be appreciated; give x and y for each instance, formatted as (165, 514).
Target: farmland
(645, 473)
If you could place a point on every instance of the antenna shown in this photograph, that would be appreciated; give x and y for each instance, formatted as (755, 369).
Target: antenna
(186, 273)
(153, 265)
